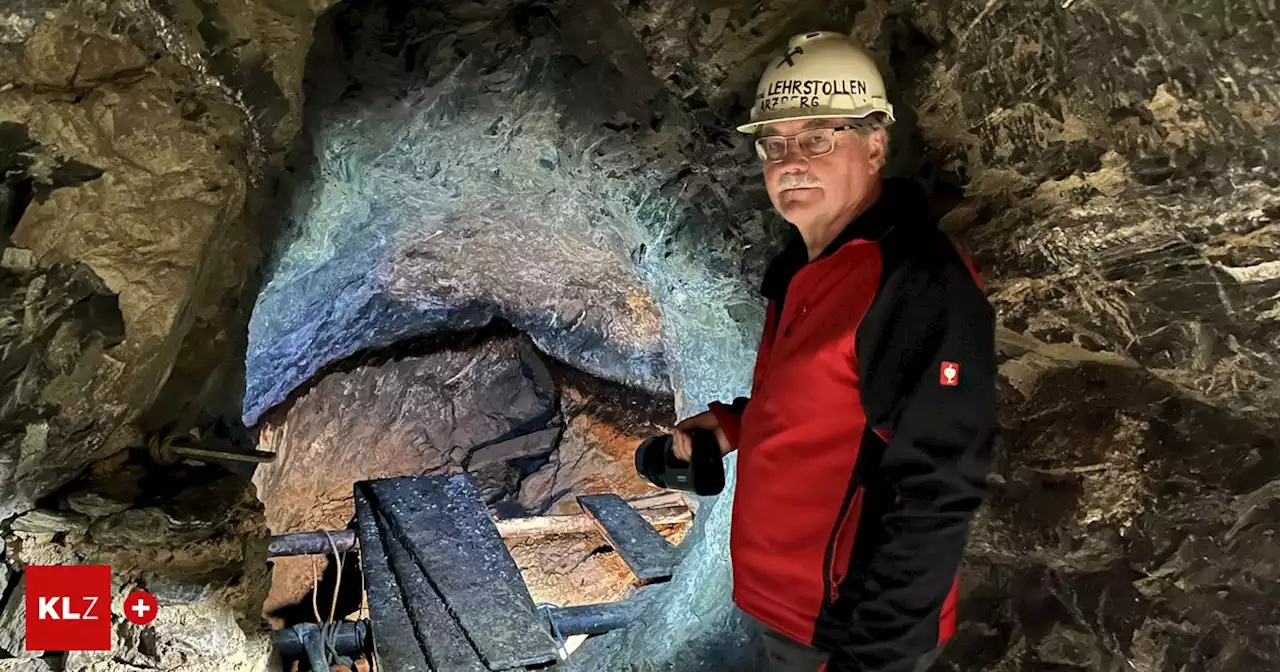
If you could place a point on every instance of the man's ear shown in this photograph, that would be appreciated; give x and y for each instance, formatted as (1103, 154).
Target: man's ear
(877, 147)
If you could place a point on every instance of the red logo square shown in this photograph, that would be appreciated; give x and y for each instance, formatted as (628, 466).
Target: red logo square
(949, 374)
(68, 608)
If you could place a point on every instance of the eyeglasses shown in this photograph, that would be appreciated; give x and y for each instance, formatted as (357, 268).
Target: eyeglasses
(813, 142)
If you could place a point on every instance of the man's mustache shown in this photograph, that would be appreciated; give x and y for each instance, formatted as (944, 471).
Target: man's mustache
(797, 181)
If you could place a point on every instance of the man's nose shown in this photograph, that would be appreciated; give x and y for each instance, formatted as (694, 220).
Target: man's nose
(794, 161)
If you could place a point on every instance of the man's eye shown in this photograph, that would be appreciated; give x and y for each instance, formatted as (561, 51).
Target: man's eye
(813, 142)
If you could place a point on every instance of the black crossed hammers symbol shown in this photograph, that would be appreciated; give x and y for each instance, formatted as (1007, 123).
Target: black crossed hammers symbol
(787, 58)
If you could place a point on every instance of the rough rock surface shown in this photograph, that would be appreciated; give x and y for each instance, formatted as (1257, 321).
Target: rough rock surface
(195, 538)
(483, 405)
(604, 424)
(134, 138)
(431, 412)
(25, 665)
(13, 628)
(1111, 167)
(1125, 530)
(459, 176)
(57, 334)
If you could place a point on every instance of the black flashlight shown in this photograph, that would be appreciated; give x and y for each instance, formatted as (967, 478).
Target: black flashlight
(703, 474)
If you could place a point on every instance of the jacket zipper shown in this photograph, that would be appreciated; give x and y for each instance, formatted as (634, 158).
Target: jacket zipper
(854, 502)
(793, 297)
(804, 310)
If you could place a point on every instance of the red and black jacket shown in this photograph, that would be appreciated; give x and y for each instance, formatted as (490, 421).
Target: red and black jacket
(865, 443)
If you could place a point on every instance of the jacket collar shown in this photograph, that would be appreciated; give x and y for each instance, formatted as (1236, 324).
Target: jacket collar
(901, 202)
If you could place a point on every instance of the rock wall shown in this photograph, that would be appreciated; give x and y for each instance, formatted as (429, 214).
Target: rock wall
(570, 167)
(1111, 168)
(510, 170)
(137, 139)
(448, 409)
(127, 146)
(193, 536)
(1126, 531)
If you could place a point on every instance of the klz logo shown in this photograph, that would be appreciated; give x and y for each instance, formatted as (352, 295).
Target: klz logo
(68, 608)
(59, 608)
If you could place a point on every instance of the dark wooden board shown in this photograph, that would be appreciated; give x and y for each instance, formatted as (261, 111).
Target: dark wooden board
(395, 643)
(649, 555)
(437, 633)
(442, 522)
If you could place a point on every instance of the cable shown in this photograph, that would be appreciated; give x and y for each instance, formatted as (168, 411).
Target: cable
(333, 604)
(329, 629)
(315, 590)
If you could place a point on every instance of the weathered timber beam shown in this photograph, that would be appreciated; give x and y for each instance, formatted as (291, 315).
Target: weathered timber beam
(651, 557)
(659, 510)
(581, 523)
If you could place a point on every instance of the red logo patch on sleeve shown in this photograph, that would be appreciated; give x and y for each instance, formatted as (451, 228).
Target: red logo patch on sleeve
(949, 374)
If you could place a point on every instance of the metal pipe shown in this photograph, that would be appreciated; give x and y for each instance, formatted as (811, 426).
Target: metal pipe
(258, 456)
(592, 619)
(353, 638)
(587, 619)
(310, 543)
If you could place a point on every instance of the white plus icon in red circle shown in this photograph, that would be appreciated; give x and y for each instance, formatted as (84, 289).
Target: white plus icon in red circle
(140, 607)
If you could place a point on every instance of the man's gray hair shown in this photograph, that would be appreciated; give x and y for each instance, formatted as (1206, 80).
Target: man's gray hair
(870, 124)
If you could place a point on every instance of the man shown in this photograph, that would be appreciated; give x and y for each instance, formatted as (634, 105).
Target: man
(864, 446)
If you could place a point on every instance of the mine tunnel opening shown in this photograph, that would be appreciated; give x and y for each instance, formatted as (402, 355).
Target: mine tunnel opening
(531, 432)
(538, 388)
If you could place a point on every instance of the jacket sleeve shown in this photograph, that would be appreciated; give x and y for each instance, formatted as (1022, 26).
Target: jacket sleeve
(929, 319)
(730, 418)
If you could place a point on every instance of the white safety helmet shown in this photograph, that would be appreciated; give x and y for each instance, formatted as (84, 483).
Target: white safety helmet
(821, 75)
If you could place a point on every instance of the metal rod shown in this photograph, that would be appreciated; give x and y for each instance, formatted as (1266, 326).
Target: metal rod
(258, 456)
(310, 543)
(353, 638)
(587, 619)
(593, 619)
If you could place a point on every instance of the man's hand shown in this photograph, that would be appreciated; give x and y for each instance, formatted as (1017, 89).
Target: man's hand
(682, 446)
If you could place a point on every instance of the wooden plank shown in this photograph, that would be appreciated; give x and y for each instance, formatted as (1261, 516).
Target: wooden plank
(581, 523)
(437, 632)
(466, 507)
(444, 525)
(394, 642)
(649, 555)
(658, 510)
